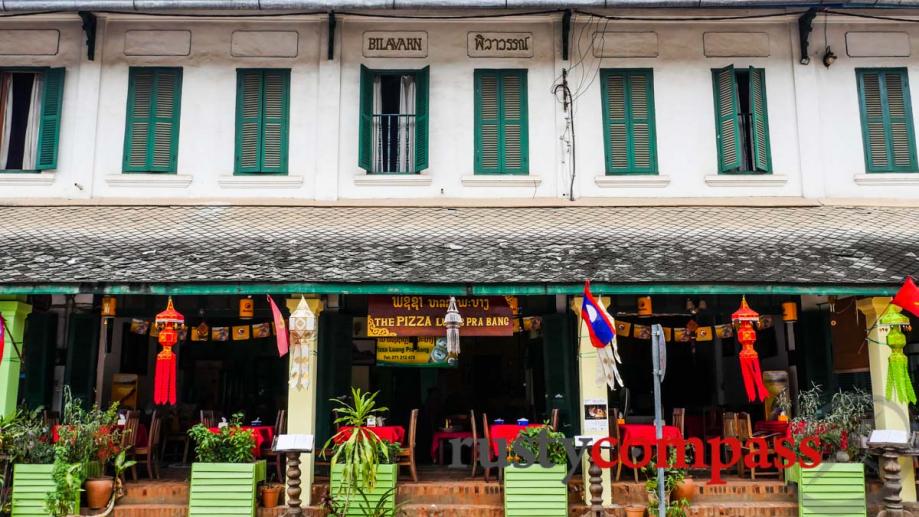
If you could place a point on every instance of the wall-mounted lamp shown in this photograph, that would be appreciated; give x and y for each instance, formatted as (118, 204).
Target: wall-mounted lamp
(828, 57)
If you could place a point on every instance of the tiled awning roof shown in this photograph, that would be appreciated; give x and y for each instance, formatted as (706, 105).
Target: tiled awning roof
(818, 245)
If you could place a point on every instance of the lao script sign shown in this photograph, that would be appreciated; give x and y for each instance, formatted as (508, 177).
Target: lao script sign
(499, 44)
(401, 316)
(395, 44)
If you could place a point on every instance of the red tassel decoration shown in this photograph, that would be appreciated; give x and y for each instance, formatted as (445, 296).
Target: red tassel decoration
(749, 359)
(169, 323)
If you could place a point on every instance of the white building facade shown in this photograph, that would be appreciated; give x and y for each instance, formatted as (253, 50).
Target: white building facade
(645, 88)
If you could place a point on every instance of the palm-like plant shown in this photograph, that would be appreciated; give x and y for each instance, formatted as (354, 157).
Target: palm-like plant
(360, 451)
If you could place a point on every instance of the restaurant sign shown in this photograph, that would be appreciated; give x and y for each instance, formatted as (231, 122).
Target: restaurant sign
(425, 352)
(402, 316)
(395, 44)
(499, 44)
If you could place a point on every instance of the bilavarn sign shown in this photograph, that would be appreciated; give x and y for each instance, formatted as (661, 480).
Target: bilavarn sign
(499, 44)
(395, 44)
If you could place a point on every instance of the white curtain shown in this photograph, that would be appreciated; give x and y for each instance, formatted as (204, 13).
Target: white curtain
(407, 124)
(30, 153)
(6, 114)
(376, 124)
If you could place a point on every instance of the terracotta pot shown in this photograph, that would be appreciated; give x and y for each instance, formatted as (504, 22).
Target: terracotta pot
(99, 492)
(270, 496)
(635, 511)
(685, 489)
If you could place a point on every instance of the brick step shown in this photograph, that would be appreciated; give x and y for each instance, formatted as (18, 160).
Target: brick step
(181, 510)
(453, 510)
(155, 492)
(749, 509)
(735, 491)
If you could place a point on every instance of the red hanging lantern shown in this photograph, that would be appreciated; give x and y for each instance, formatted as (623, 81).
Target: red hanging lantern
(169, 323)
(744, 319)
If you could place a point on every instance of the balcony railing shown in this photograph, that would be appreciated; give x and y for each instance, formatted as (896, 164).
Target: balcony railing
(393, 144)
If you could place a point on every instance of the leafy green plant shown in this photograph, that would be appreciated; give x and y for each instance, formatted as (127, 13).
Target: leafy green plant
(25, 438)
(529, 439)
(338, 508)
(839, 420)
(68, 480)
(359, 450)
(230, 444)
(673, 476)
(121, 464)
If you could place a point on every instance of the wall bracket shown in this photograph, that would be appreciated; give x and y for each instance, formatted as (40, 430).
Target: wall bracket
(566, 33)
(89, 28)
(805, 26)
(331, 47)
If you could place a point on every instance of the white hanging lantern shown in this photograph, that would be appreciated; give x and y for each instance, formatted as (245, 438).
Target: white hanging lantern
(302, 326)
(453, 321)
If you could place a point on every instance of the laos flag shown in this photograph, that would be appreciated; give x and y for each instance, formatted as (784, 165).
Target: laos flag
(599, 322)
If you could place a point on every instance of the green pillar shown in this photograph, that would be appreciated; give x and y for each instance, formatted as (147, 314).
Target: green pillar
(14, 313)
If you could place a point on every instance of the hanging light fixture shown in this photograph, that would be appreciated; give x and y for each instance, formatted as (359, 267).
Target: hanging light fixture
(743, 320)
(898, 381)
(453, 321)
(246, 308)
(302, 326)
(109, 305)
(169, 323)
(829, 57)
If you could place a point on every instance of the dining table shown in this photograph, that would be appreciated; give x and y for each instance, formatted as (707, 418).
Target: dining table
(772, 427)
(442, 435)
(506, 432)
(390, 433)
(262, 434)
(640, 434)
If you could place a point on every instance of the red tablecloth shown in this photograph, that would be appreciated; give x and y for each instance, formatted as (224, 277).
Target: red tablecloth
(390, 433)
(140, 441)
(440, 436)
(508, 432)
(771, 427)
(645, 433)
(263, 435)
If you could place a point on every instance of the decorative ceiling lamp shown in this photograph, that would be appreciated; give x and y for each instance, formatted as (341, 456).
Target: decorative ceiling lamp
(169, 323)
(302, 337)
(743, 320)
(453, 321)
(898, 382)
(246, 308)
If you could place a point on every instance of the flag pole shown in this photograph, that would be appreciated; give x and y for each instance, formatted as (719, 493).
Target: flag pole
(657, 337)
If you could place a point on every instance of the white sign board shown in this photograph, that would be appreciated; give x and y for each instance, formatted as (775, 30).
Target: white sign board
(395, 44)
(499, 44)
(294, 443)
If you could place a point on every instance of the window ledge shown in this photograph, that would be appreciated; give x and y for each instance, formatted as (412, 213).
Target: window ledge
(501, 180)
(260, 181)
(393, 180)
(746, 180)
(26, 179)
(162, 180)
(632, 181)
(892, 179)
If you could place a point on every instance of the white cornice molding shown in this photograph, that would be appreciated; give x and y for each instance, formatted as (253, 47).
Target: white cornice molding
(746, 180)
(268, 181)
(891, 179)
(392, 180)
(26, 179)
(632, 181)
(501, 180)
(150, 180)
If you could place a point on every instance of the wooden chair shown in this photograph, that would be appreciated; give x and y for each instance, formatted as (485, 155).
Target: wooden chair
(129, 433)
(614, 432)
(407, 454)
(485, 430)
(729, 430)
(679, 420)
(553, 420)
(280, 427)
(146, 454)
(474, 454)
(744, 433)
(208, 418)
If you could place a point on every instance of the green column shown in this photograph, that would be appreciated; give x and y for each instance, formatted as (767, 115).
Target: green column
(14, 313)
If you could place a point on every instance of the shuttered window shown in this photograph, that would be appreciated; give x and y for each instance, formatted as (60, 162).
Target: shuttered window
(887, 120)
(394, 119)
(50, 128)
(741, 121)
(628, 121)
(501, 132)
(31, 102)
(262, 120)
(151, 140)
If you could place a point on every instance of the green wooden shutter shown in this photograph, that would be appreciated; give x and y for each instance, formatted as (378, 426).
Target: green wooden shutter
(628, 119)
(887, 127)
(727, 120)
(422, 80)
(248, 119)
(501, 126)
(762, 160)
(262, 121)
(50, 127)
(365, 136)
(153, 114)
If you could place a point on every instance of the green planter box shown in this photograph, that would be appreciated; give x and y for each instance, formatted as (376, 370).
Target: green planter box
(832, 489)
(535, 490)
(226, 489)
(31, 486)
(385, 488)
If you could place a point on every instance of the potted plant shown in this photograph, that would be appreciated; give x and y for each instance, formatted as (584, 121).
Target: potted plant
(225, 476)
(269, 494)
(533, 487)
(363, 469)
(25, 443)
(673, 477)
(837, 484)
